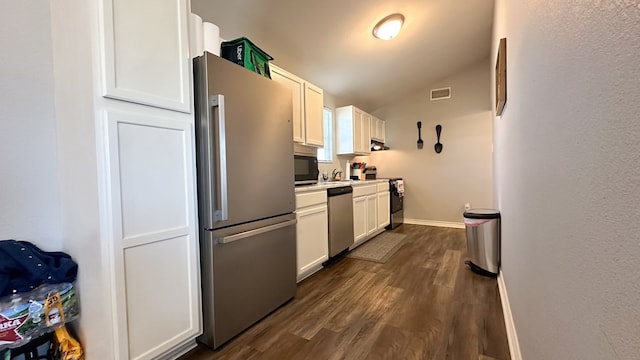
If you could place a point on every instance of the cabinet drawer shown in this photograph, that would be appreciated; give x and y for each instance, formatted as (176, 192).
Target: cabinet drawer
(364, 190)
(383, 187)
(311, 198)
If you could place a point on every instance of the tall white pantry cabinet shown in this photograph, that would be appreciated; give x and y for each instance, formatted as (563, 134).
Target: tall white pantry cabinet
(126, 157)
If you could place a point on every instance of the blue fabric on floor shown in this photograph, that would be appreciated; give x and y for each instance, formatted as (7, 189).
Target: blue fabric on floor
(24, 266)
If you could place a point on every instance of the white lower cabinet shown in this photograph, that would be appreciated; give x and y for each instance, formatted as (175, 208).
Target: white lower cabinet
(364, 213)
(370, 211)
(359, 219)
(151, 159)
(311, 232)
(372, 214)
(384, 205)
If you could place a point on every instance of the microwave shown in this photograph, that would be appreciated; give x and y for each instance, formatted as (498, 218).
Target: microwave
(306, 169)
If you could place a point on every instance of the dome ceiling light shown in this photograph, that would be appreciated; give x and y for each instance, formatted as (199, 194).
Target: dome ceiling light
(389, 27)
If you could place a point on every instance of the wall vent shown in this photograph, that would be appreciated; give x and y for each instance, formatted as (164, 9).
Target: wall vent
(439, 94)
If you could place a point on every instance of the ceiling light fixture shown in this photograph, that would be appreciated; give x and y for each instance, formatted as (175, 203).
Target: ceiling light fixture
(389, 27)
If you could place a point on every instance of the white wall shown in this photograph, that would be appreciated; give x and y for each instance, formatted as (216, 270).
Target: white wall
(438, 185)
(567, 160)
(29, 205)
(39, 142)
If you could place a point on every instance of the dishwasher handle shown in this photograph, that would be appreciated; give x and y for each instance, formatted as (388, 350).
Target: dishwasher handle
(342, 190)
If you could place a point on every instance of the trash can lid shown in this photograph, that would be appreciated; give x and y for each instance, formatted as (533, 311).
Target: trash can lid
(482, 214)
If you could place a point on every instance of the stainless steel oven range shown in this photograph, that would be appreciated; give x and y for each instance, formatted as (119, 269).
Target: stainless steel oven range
(396, 189)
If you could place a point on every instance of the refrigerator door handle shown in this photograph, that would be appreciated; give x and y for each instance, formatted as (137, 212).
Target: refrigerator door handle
(217, 101)
(262, 230)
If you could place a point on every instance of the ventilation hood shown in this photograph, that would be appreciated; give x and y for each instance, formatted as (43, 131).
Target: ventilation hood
(378, 146)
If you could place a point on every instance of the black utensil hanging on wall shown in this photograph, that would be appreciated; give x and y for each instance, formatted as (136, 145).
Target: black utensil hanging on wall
(420, 142)
(438, 145)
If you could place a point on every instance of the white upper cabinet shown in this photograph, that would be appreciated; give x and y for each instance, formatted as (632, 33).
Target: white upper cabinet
(354, 133)
(307, 107)
(313, 105)
(146, 57)
(296, 85)
(377, 129)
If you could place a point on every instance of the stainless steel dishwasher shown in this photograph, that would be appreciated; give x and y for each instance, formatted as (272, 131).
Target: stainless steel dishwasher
(340, 200)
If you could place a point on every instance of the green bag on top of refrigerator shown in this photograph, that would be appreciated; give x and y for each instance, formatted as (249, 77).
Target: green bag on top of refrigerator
(245, 53)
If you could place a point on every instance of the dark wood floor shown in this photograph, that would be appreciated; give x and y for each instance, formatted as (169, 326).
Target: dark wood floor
(422, 304)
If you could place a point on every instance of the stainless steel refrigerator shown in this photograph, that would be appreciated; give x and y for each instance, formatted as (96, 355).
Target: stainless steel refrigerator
(246, 196)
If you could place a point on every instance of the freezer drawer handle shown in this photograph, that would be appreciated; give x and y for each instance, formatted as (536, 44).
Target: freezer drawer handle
(223, 213)
(246, 234)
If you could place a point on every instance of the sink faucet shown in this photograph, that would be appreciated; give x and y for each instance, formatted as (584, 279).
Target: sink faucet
(336, 175)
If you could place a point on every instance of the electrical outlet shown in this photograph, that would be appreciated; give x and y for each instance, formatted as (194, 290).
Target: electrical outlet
(467, 206)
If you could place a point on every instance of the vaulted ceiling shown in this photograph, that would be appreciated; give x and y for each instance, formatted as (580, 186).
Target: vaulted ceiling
(330, 44)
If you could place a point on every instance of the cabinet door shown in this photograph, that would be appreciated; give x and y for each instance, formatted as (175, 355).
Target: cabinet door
(384, 213)
(372, 214)
(362, 132)
(377, 129)
(154, 244)
(359, 218)
(313, 107)
(366, 134)
(374, 128)
(358, 130)
(296, 85)
(146, 53)
(312, 239)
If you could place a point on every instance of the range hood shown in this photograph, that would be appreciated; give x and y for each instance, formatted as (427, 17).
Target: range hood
(378, 146)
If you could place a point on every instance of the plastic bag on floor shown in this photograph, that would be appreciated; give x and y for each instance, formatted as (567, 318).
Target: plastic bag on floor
(65, 346)
(26, 316)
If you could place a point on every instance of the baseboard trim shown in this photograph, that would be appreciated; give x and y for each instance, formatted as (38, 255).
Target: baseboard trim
(434, 223)
(179, 350)
(512, 335)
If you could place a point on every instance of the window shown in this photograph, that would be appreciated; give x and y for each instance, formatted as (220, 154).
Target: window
(325, 154)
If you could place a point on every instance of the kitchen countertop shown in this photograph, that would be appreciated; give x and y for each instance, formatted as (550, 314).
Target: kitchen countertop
(332, 184)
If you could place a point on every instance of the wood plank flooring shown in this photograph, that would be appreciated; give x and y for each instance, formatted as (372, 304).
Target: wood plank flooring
(423, 303)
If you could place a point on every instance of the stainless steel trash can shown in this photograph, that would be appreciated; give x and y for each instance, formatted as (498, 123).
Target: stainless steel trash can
(483, 241)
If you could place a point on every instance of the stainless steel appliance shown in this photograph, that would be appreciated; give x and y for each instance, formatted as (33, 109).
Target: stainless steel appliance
(247, 224)
(397, 203)
(306, 169)
(340, 206)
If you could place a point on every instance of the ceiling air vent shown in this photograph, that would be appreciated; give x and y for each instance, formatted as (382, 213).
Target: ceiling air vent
(439, 94)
